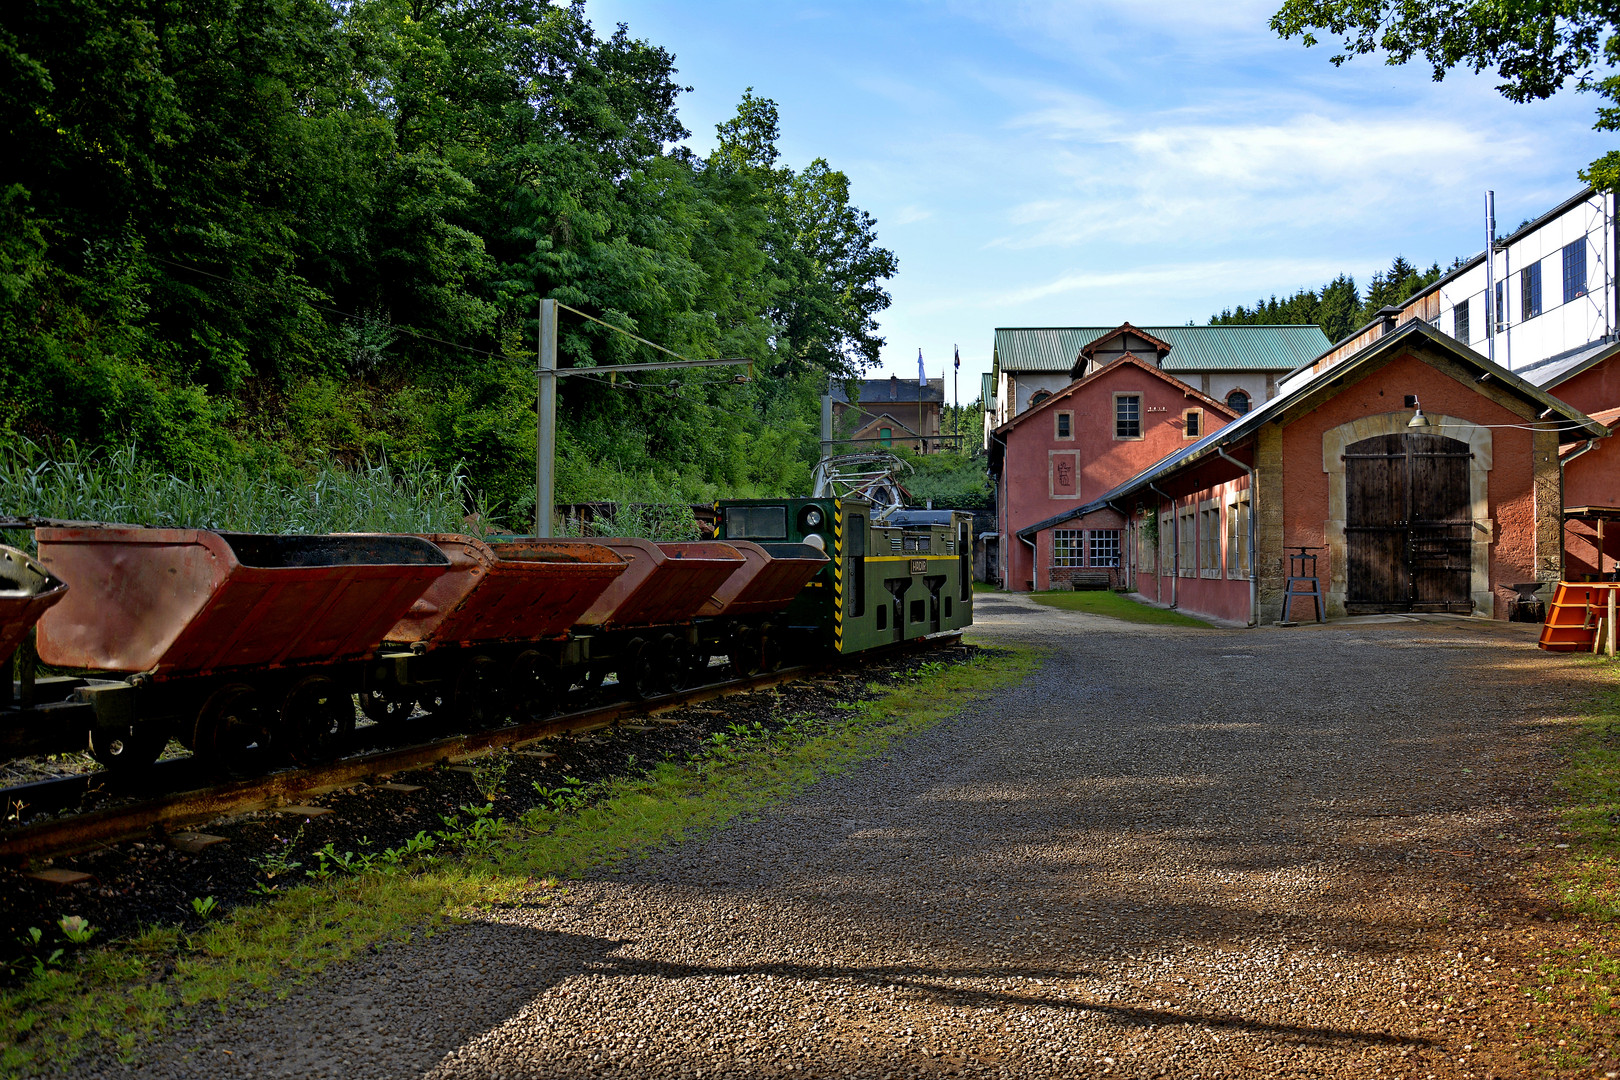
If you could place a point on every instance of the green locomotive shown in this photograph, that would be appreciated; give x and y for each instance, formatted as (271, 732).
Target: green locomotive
(902, 577)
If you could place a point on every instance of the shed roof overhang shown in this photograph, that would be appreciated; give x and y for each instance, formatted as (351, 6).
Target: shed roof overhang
(1191, 469)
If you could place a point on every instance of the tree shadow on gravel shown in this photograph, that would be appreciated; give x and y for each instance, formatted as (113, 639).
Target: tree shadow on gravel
(406, 1009)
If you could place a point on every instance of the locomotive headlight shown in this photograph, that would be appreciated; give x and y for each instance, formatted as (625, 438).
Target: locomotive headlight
(815, 541)
(812, 517)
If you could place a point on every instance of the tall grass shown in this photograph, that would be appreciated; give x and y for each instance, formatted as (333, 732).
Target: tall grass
(121, 487)
(668, 521)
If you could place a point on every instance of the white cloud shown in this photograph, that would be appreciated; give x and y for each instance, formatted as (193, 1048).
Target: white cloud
(910, 215)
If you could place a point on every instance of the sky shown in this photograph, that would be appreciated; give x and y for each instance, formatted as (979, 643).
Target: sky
(1070, 163)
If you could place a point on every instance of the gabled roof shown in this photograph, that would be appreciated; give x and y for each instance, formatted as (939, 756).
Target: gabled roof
(878, 418)
(1192, 348)
(875, 392)
(1250, 422)
(1124, 361)
(1160, 346)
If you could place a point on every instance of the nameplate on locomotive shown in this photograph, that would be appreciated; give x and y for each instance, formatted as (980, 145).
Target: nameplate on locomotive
(919, 566)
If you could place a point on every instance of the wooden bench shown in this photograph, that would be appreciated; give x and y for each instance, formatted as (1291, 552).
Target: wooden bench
(1082, 579)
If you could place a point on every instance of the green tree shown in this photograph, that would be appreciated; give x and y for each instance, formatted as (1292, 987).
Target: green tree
(1536, 47)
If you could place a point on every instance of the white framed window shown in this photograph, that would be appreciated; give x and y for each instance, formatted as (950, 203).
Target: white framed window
(1068, 547)
(1104, 549)
(1237, 537)
(1189, 543)
(1128, 416)
(1209, 539)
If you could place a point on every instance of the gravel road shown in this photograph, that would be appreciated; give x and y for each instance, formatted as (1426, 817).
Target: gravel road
(1171, 852)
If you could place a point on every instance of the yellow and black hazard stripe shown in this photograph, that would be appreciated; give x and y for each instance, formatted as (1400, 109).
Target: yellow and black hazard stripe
(838, 574)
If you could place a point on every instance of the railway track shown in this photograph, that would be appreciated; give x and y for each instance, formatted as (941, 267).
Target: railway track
(168, 811)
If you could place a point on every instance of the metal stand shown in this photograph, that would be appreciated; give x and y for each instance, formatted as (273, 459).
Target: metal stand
(1302, 572)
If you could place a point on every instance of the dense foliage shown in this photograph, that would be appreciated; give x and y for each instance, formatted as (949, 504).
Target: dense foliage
(1338, 307)
(266, 234)
(1535, 47)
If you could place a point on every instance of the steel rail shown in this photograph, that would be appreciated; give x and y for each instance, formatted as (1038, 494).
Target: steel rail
(101, 828)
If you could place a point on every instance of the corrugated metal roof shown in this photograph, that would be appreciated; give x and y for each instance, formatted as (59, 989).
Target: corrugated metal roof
(1193, 348)
(1554, 370)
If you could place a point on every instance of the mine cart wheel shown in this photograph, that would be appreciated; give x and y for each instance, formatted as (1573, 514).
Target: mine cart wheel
(131, 749)
(479, 700)
(745, 652)
(229, 728)
(317, 720)
(770, 649)
(638, 669)
(534, 688)
(675, 663)
(387, 704)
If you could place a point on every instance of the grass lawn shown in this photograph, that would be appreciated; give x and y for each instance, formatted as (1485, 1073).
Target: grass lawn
(1115, 606)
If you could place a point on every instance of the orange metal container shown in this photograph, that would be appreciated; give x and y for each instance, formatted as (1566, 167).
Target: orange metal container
(1572, 616)
(664, 583)
(525, 590)
(27, 591)
(772, 576)
(189, 602)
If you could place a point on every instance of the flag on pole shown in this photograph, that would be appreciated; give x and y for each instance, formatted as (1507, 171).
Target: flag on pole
(959, 359)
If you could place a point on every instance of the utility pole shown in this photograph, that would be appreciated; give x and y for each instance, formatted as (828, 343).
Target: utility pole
(545, 449)
(545, 464)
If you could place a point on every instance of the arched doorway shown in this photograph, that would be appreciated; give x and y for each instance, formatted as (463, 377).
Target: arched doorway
(1408, 524)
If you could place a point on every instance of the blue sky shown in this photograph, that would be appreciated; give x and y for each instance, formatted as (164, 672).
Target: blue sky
(1055, 163)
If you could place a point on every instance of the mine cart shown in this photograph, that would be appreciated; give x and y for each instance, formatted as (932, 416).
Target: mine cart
(744, 618)
(27, 591)
(486, 639)
(233, 643)
(643, 626)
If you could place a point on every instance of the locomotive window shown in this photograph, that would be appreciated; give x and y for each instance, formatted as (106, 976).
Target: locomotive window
(855, 537)
(855, 548)
(947, 607)
(917, 612)
(756, 523)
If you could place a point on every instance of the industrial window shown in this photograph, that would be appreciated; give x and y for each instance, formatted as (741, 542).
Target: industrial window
(1499, 309)
(1192, 424)
(1237, 538)
(1209, 539)
(756, 523)
(1127, 416)
(1104, 547)
(1238, 402)
(1530, 291)
(1064, 430)
(1574, 270)
(1189, 543)
(1066, 547)
(1459, 321)
(1167, 550)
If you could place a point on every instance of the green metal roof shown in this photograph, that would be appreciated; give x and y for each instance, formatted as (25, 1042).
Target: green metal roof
(1193, 348)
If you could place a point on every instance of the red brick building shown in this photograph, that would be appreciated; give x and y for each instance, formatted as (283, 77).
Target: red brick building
(1425, 478)
(1076, 443)
(1590, 381)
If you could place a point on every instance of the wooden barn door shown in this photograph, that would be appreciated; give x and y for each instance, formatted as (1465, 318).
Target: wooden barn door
(1407, 524)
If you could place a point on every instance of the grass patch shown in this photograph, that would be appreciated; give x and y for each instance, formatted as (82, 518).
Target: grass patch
(1115, 606)
(119, 997)
(1577, 987)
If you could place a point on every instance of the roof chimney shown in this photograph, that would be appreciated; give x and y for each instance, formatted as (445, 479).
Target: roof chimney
(894, 387)
(1389, 315)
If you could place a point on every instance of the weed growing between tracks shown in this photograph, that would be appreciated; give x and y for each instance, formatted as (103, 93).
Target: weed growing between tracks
(119, 997)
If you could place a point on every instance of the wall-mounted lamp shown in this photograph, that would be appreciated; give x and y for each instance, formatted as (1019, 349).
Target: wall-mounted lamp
(1418, 419)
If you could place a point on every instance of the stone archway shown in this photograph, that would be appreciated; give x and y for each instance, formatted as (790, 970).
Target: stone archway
(1478, 438)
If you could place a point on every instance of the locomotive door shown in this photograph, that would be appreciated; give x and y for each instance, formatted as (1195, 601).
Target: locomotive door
(1408, 525)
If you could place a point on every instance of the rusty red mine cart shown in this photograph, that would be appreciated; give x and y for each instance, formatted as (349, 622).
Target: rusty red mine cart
(488, 639)
(745, 618)
(643, 627)
(27, 591)
(242, 646)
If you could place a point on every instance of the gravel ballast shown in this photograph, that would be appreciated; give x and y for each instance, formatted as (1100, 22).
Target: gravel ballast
(1170, 852)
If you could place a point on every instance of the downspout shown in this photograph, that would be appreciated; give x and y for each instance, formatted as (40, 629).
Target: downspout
(1034, 568)
(1254, 578)
(1003, 554)
(1125, 548)
(1175, 547)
